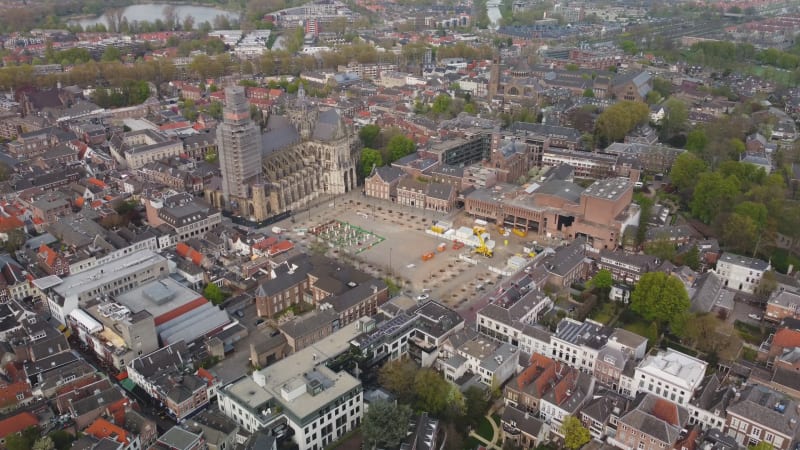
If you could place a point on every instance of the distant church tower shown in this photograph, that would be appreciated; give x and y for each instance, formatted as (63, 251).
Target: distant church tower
(494, 77)
(239, 141)
(304, 114)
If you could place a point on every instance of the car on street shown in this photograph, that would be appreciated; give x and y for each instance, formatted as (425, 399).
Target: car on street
(422, 297)
(754, 316)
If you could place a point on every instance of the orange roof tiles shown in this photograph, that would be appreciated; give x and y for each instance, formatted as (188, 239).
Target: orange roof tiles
(203, 373)
(174, 125)
(666, 411)
(101, 429)
(96, 182)
(17, 423)
(786, 337)
(182, 249)
(50, 254)
(280, 247)
(10, 223)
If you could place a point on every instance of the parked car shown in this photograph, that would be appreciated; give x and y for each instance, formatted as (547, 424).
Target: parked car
(422, 297)
(754, 316)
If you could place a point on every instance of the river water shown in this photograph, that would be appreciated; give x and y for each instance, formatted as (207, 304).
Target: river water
(152, 12)
(493, 11)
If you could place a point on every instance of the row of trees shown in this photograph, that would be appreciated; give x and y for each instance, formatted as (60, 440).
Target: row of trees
(744, 205)
(421, 389)
(130, 93)
(382, 147)
(618, 120)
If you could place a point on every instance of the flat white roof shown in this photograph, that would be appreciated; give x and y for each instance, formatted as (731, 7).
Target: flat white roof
(675, 367)
(158, 297)
(113, 270)
(310, 361)
(83, 318)
(47, 282)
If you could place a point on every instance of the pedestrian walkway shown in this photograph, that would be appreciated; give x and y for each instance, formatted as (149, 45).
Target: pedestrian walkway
(496, 443)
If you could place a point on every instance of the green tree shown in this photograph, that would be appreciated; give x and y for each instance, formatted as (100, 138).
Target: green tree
(62, 439)
(685, 172)
(739, 233)
(602, 280)
(369, 135)
(44, 443)
(398, 377)
(15, 240)
(369, 158)
(652, 333)
(767, 285)
(757, 212)
(433, 392)
(662, 86)
(575, 434)
(214, 294)
(692, 258)
(712, 194)
(675, 117)
(23, 440)
(662, 248)
(476, 404)
(111, 53)
(588, 93)
(399, 146)
(653, 97)
(441, 104)
(629, 47)
(619, 119)
(659, 297)
(385, 424)
(696, 141)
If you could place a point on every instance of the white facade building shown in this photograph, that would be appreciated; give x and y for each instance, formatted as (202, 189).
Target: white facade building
(578, 343)
(740, 272)
(302, 393)
(671, 375)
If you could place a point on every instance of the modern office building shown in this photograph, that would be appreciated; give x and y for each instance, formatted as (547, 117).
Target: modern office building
(300, 392)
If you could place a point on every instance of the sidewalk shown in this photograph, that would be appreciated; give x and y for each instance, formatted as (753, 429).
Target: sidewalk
(495, 444)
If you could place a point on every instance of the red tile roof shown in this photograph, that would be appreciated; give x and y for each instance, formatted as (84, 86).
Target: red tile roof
(50, 254)
(17, 423)
(10, 223)
(786, 337)
(96, 182)
(101, 429)
(666, 411)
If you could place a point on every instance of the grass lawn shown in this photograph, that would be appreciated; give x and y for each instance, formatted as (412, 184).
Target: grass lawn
(605, 313)
(748, 354)
(471, 443)
(638, 327)
(749, 333)
(485, 429)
